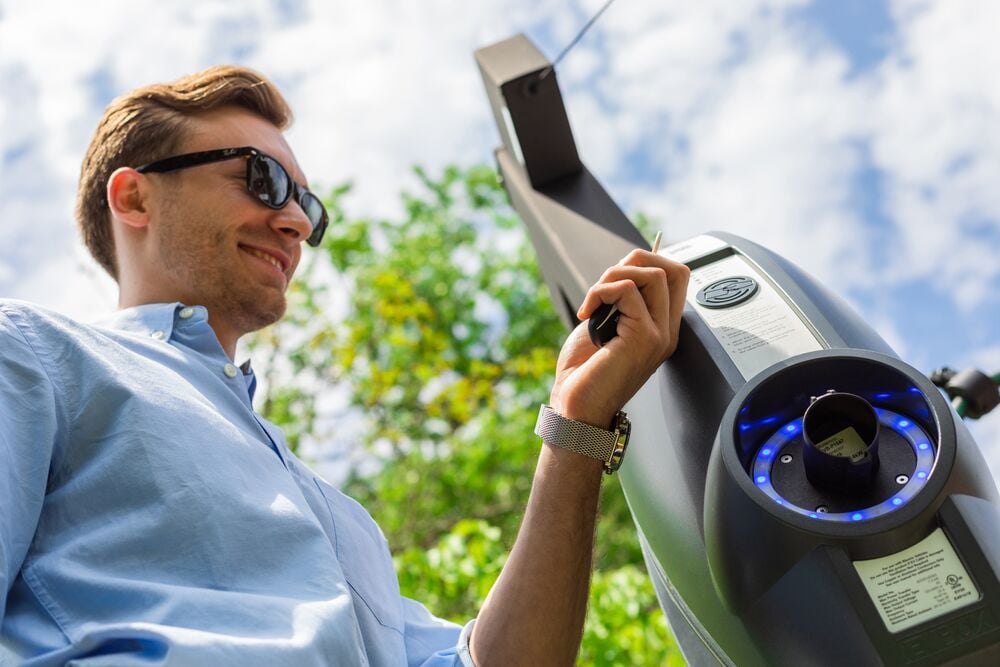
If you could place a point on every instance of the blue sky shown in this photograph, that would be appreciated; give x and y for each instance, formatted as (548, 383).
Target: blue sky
(855, 137)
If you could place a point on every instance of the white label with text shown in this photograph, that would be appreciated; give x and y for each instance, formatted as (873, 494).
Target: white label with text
(918, 584)
(758, 332)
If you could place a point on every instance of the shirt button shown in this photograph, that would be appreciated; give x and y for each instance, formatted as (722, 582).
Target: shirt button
(186, 313)
(158, 335)
(229, 370)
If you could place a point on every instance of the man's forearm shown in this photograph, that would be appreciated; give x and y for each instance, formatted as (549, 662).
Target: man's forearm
(535, 612)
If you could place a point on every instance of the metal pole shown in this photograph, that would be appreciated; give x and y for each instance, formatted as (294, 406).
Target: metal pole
(575, 226)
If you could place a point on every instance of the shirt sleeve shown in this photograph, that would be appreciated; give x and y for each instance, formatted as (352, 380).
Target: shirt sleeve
(28, 427)
(424, 632)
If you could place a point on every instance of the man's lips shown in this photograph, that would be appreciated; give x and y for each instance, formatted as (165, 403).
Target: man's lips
(275, 258)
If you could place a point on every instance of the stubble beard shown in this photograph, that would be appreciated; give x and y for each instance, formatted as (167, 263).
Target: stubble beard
(194, 258)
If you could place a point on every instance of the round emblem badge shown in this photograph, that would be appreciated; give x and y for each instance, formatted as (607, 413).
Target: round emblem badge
(727, 292)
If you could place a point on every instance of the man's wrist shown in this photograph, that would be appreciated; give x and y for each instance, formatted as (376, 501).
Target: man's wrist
(604, 444)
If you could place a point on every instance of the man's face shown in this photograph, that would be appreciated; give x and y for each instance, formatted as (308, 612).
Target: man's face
(215, 244)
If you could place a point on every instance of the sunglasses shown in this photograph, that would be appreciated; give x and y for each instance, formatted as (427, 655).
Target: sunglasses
(267, 181)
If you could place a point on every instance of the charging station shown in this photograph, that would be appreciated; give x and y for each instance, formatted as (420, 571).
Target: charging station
(802, 496)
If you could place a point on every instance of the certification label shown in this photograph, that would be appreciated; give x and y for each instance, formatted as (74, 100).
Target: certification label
(918, 584)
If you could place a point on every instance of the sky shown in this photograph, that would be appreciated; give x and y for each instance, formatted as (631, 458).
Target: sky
(858, 138)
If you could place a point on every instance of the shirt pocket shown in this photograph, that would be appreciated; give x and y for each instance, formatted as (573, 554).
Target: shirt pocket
(364, 557)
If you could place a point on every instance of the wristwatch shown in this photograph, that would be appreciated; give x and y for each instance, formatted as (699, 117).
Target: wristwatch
(598, 443)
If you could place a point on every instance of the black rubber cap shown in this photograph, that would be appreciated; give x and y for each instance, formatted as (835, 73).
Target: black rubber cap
(603, 324)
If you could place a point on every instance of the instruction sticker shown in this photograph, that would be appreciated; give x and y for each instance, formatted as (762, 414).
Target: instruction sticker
(918, 584)
(847, 444)
(757, 332)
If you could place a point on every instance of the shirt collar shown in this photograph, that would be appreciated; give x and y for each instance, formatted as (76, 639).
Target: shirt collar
(147, 319)
(157, 320)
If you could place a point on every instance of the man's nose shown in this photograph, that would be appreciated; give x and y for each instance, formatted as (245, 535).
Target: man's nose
(292, 221)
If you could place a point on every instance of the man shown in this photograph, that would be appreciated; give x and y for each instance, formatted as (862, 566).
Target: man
(149, 516)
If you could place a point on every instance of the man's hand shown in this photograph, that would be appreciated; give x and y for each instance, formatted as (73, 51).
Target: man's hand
(592, 384)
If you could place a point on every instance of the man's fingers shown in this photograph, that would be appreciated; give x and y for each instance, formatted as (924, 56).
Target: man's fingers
(656, 288)
(678, 276)
(623, 293)
(652, 285)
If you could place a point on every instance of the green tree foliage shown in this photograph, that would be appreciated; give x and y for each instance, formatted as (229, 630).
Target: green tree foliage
(448, 345)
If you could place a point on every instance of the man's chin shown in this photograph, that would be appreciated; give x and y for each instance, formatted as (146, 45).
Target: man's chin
(269, 317)
(259, 314)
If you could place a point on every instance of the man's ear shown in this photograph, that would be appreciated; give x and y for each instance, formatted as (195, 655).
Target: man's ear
(127, 194)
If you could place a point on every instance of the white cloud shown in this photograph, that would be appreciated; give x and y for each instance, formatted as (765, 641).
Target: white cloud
(935, 137)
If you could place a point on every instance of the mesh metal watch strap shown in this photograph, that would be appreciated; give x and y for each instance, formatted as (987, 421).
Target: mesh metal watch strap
(575, 436)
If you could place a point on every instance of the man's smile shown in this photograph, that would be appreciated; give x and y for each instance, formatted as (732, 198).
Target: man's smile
(275, 258)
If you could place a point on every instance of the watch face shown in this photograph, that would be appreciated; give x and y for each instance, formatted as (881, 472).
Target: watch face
(624, 429)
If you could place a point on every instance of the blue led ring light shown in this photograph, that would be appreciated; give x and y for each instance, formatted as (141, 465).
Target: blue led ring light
(911, 432)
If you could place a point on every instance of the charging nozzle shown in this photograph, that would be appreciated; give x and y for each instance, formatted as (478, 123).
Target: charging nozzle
(841, 433)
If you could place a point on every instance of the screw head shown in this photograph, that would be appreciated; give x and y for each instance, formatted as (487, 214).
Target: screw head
(787, 458)
(902, 479)
(822, 509)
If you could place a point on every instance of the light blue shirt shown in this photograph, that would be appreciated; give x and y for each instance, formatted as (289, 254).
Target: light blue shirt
(148, 516)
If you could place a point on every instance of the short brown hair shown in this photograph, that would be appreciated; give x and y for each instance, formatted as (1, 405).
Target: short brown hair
(150, 123)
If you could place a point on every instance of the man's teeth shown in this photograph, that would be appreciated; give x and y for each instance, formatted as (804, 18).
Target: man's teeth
(267, 258)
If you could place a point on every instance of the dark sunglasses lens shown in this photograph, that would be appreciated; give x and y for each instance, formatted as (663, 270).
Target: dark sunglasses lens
(269, 181)
(316, 213)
